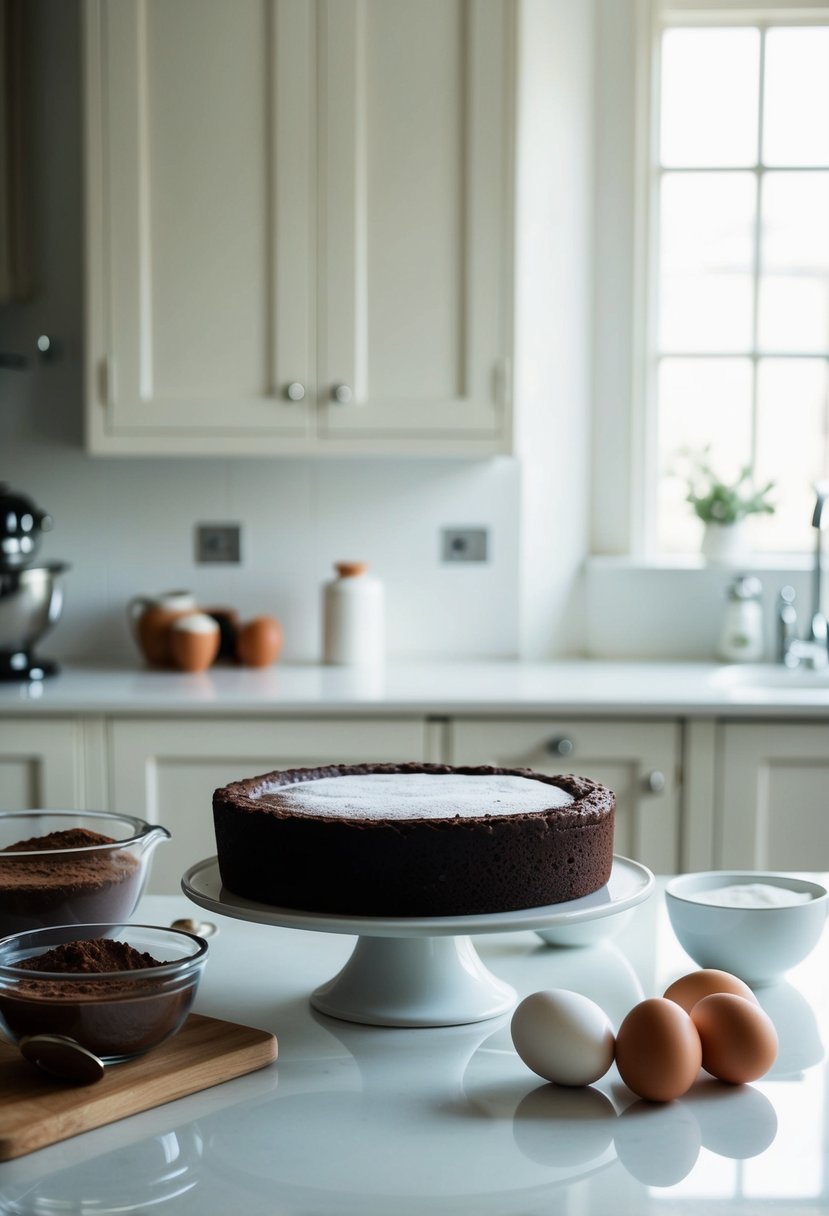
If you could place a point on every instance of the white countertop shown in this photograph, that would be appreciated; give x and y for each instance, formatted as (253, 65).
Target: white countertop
(437, 688)
(362, 1121)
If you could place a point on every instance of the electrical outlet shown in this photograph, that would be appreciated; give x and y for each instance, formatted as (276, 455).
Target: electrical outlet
(218, 543)
(464, 544)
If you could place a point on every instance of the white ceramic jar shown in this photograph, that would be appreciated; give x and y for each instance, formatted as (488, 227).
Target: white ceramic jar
(353, 617)
(741, 634)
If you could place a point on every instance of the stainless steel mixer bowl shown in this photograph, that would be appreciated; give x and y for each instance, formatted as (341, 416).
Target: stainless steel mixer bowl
(31, 601)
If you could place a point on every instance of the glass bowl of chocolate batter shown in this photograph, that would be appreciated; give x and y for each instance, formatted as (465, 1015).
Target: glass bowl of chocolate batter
(118, 990)
(72, 867)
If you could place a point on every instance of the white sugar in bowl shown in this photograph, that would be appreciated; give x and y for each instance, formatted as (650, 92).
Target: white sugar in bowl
(754, 924)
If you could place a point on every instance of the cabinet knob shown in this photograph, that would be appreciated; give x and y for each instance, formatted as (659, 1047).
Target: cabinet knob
(295, 391)
(343, 394)
(561, 746)
(654, 782)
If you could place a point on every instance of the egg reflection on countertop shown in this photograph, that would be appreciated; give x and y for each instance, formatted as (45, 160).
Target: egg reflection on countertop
(657, 1146)
(559, 1127)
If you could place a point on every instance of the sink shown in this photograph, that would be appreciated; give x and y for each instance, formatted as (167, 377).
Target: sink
(771, 677)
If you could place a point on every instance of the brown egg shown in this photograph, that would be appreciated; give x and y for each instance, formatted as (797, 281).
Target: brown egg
(739, 1041)
(692, 988)
(259, 642)
(658, 1050)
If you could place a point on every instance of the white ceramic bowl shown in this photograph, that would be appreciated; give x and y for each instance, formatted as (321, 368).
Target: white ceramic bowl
(758, 944)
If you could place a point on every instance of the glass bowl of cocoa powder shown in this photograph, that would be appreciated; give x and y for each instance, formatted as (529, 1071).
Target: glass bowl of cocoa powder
(72, 867)
(118, 990)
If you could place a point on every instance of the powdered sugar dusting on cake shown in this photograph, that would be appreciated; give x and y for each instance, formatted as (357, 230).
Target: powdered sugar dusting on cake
(416, 796)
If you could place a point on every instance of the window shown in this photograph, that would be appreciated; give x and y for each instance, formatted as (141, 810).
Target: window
(738, 357)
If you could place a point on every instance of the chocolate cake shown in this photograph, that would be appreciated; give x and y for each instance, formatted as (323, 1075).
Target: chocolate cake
(413, 839)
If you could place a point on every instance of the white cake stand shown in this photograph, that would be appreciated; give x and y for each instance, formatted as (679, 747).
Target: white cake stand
(418, 971)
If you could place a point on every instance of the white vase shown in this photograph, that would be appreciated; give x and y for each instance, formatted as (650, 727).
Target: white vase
(725, 544)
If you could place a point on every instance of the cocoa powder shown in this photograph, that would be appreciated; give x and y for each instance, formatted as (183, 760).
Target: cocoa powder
(99, 954)
(69, 877)
(68, 838)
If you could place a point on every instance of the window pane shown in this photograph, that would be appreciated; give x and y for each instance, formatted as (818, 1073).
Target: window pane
(709, 96)
(792, 409)
(702, 403)
(796, 104)
(706, 259)
(794, 287)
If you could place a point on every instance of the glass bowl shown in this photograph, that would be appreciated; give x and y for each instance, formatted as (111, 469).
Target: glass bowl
(93, 880)
(117, 1015)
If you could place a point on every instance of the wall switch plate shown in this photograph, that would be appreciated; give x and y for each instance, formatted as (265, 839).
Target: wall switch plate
(218, 543)
(464, 544)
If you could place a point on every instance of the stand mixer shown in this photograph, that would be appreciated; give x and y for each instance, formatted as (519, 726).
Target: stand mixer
(31, 596)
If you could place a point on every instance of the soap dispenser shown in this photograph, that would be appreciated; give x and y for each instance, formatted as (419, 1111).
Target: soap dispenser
(741, 637)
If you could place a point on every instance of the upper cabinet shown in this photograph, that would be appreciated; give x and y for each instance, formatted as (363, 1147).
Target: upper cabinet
(299, 226)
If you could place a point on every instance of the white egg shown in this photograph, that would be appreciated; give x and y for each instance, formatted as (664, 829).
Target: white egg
(563, 1036)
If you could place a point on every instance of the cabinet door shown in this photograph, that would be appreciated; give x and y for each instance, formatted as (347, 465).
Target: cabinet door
(415, 124)
(200, 222)
(165, 771)
(773, 796)
(298, 225)
(41, 766)
(639, 761)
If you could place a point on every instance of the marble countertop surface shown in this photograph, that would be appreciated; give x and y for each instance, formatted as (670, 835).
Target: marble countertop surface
(360, 1120)
(486, 688)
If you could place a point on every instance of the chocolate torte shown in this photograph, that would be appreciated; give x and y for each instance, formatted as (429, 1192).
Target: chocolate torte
(413, 839)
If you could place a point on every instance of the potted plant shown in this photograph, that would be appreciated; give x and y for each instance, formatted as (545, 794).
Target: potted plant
(724, 506)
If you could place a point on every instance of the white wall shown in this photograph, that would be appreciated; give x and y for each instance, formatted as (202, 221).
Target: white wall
(554, 252)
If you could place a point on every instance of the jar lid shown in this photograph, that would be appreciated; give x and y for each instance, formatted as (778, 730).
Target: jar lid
(746, 587)
(350, 569)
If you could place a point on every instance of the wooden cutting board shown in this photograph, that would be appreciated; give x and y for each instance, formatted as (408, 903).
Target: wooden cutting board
(36, 1111)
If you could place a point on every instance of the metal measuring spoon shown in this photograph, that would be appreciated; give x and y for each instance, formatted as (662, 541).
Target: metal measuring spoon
(62, 1057)
(202, 928)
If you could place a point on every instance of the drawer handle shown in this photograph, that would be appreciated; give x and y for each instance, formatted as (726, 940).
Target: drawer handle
(295, 391)
(561, 746)
(655, 782)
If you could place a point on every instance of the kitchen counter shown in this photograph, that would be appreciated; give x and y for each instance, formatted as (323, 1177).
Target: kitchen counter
(432, 688)
(362, 1120)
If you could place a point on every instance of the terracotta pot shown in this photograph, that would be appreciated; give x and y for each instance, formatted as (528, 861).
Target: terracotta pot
(193, 641)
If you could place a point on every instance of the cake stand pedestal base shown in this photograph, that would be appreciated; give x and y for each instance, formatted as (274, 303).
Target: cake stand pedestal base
(415, 981)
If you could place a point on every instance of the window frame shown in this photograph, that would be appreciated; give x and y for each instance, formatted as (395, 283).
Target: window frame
(624, 507)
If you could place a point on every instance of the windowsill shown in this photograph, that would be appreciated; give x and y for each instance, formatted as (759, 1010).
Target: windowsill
(781, 563)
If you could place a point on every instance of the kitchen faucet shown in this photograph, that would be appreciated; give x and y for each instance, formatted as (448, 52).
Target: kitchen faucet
(813, 650)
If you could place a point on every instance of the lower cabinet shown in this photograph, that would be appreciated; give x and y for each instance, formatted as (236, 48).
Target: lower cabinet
(41, 765)
(165, 770)
(772, 796)
(638, 760)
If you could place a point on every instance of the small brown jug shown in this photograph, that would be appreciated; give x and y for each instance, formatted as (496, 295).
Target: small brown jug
(150, 618)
